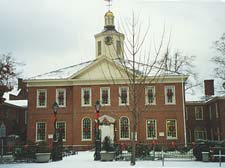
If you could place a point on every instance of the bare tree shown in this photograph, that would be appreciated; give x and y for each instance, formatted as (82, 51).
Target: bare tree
(139, 73)
(181, 64)
(219, 60)
(7, 73)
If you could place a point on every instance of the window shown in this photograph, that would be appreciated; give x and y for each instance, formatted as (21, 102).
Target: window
(218, 133)
(86, 129)
(105, 96)
(40, 131)
(99, 48)
(186, 113)
(170, 95)
(217, 113)
(210, 112)
(212, 134)
(61, 128)
(86, 97)
(151, 129)
(118, 47)
(61, 97)
(199, 113)
(41, 98)
(150, 95)
(123, 96)
(124, 128)
(171, 129)
(199, 133)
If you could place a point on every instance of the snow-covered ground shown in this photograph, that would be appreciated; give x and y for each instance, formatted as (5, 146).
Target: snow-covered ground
(85, 160)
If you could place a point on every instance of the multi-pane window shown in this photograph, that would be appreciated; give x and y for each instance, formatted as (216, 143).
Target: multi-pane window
(216, 108)
(150, 95)
(123, 95)
(99, 48)
(218, 133)
(210, 112)
(170, 95)
(199, 133)
(151, 129)
(171, 129)
(40, 131)
(86, 129)
(41, 98)
(61, 97)
(124, 128)
(186, 113)
(199, 113)
(86, 96)
(118, 47)
(105, 96)
(61, 129)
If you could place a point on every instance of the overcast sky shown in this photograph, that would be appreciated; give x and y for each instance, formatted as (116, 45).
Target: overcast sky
(51, 34)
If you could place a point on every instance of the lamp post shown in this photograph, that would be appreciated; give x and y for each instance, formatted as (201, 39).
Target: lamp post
(97, 136)
(55, 110)
(55, 150)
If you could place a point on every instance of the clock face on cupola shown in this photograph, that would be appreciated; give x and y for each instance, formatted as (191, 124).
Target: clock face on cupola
(108, 40)
(109, 43)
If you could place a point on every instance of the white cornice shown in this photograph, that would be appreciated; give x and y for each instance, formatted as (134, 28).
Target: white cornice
(75, 82)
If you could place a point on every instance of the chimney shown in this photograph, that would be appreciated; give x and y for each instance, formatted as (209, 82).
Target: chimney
(20, 83)
(209, 87)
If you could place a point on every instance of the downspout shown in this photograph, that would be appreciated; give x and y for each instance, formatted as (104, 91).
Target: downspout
(184, 118)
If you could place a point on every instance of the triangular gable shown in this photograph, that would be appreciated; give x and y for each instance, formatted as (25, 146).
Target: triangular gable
(101, 69)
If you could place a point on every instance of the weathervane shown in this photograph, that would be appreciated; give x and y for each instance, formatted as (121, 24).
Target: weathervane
(109, 3)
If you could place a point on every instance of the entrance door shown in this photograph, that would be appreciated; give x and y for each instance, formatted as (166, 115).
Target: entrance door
(107, 130)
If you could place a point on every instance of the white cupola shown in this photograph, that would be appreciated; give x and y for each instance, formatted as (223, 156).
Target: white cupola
(109, 43)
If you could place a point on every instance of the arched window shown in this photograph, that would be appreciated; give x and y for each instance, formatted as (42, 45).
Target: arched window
(86, 129)
(124, 128)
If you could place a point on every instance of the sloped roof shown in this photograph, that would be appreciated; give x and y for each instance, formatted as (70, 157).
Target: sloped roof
(67, 72)
(62, 73)
(17, 103)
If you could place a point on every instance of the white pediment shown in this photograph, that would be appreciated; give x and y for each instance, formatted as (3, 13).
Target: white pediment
(103, 69)
(107, 119)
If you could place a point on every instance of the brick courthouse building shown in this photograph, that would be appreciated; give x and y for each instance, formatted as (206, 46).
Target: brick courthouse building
(77, 88)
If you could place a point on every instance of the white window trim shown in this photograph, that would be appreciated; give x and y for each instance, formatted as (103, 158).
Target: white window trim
(146, 95)
(57, 93)
(46, 97)
(199, 119)
(82, 97)
(174, 96)
(82, 139)
(146, 126)
(169, 137)
(124, 139)
(36, 140)
(109, 100)
(64, 140)
(120, 101)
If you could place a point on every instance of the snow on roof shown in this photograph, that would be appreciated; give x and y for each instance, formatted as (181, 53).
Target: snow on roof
(14, 92)
(19, 103)
(201, 98)
(67, 72)
(62, 73)
(145, 68)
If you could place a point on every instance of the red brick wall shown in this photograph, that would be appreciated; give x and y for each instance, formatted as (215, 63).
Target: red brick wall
(74, 113)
